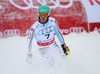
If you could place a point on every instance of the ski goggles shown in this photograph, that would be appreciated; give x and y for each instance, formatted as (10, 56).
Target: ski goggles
(43, 14)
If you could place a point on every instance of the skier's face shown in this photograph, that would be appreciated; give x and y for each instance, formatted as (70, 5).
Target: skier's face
(43, 17)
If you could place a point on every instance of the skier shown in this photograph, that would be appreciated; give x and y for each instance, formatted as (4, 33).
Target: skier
(44, 30)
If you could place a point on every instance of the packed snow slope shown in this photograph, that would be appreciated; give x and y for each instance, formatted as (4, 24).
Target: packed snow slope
(84, 57)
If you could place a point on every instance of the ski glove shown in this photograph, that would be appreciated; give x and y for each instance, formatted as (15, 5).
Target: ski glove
(65, 48)
(29, 57)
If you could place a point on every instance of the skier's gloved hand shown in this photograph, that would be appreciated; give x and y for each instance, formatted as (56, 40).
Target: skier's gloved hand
(65, 48)
(29, 57)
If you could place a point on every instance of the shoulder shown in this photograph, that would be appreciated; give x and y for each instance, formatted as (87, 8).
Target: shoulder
(51, 19)
(34, 25)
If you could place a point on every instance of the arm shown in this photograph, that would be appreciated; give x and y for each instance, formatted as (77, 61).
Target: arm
(29, 45)
(30, 37)
(29, 41)
(58, 33)
(61, 39)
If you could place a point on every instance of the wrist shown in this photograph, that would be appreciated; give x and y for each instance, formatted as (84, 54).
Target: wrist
(29, 55)
(64, 46)
(29, 52)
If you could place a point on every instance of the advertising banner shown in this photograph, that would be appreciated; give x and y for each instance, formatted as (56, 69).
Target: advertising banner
(17, 16)
(92, 8)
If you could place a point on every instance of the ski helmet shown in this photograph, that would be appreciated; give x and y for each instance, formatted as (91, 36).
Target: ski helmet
(44, 9)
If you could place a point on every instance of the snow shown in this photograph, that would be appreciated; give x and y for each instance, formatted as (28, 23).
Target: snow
(84, 57)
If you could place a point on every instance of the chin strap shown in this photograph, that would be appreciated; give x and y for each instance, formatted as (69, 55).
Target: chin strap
(43, 22)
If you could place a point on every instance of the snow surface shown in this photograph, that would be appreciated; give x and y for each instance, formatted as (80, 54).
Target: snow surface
(84, 57)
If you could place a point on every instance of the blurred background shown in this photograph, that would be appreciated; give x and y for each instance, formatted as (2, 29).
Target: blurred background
(16, 16)
(79, 22)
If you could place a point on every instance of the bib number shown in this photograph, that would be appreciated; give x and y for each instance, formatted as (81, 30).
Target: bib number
(47, 35)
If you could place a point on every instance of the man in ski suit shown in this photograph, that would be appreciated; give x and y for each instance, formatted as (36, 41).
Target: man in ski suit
(44, 31)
